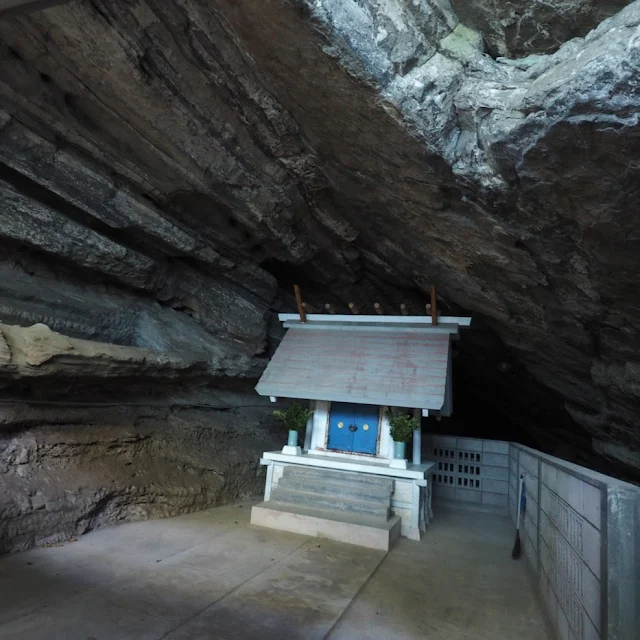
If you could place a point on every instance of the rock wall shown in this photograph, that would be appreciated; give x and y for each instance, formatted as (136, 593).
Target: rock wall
(65, 470)
(517, 28)
(94, 433)
(168, 170)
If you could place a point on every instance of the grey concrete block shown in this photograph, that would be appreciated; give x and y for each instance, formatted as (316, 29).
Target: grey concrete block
(529, 525)
(531, 493)
(563, 625)
(496, 499)
(587, 547)
(531, 512)
(572, 491)
(495, 460)
(591, 549)
(578, 531)
(495, 446)
(469, 444)
(590, 632)
(530, 547)
(576, 495)
(577, 592)
(623, 560)
(549, 475)
(528, 465)
(591, 597)
(592, 500)
(549, 597)
(545, 558)
(495, 473)
(495, 486)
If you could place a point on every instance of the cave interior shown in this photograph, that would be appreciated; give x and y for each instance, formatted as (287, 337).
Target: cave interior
(169, 172)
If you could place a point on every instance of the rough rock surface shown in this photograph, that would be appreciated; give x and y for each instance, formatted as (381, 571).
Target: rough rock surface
(517, 28)
(167, 170)
(67, 470)
(38, 351)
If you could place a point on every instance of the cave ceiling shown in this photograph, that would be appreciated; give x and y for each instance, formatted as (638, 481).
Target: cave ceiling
(169, 170)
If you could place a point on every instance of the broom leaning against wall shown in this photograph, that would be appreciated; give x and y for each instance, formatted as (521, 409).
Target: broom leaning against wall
(522, 505)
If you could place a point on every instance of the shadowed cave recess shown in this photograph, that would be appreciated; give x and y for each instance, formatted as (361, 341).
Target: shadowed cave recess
(168, 170)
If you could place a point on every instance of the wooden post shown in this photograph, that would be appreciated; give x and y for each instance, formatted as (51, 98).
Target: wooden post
(353, 309)
(378, 307)
(301, 311)
(404, 310)
(329, 308)
(434, 307)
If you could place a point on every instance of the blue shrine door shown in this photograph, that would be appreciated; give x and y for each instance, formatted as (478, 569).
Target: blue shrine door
(353, 428)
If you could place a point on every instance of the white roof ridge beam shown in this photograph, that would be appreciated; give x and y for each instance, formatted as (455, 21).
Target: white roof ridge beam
(392, 401)
(359, 319)
(373, 328)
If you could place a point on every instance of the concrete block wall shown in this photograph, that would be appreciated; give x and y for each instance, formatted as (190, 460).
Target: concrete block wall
(580, 532)
(562, 541)
(403, 502)
(621, 561)
(470, 470)
(565, 533)
(513, 481)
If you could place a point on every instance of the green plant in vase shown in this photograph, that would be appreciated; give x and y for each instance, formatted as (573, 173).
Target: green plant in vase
(294, 418)
(402, 427)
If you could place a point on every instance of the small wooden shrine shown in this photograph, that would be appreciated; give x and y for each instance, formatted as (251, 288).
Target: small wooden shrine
(350, 369)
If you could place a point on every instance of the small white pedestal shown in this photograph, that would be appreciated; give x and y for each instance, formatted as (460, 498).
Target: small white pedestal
(396, 463)
(291, 451)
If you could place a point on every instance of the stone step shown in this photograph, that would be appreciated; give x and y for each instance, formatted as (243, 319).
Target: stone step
(335, 486)
(362, 530)
(335, 502)
(299, 471)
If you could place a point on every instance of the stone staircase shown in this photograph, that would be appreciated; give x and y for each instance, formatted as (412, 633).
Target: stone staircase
(349, 507)
(338, 491)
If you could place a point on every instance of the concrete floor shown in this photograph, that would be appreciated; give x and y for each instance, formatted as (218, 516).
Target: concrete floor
(213, 576)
